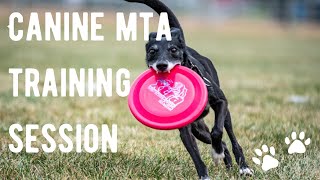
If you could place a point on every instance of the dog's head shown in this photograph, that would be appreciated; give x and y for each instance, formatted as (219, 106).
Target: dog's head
(163, 55)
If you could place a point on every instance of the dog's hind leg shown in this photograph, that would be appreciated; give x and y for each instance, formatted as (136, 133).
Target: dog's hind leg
(236, 148)
(201, 131)
(227, 157)
(191, 145)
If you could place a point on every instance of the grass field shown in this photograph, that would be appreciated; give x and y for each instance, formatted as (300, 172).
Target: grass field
(260, 67)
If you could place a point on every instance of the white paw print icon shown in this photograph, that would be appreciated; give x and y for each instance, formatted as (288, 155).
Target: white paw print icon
(268, 161)
(297, 146)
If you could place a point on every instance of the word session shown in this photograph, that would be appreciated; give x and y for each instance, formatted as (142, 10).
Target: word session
(82, 26)
(88, 82)
(87, 139)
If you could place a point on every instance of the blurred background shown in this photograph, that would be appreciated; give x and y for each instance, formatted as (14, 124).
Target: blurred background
(217, 10)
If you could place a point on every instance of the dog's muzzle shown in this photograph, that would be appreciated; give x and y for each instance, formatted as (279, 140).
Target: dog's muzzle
(163, 66)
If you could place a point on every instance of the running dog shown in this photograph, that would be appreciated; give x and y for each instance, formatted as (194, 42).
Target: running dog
(162, 56)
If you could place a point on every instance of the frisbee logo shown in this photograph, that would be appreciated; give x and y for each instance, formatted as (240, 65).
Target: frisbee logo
(170, 94)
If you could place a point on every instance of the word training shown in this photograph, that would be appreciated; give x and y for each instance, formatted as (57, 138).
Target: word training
(90, 145)
(85, 83)
(75, 26)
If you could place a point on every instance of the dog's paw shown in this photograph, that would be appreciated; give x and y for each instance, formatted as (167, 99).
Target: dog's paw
(246, 171)
(204, 178)
(217, 156)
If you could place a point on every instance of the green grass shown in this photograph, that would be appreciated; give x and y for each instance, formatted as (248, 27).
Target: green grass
(258, 73)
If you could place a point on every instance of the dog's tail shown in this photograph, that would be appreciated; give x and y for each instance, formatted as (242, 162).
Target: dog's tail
(159, 7)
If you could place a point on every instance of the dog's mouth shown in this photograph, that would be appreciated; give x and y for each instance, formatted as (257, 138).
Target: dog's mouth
(163, 67)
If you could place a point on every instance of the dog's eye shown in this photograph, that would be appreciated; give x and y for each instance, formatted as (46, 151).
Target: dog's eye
(173, 50)
(152, 51)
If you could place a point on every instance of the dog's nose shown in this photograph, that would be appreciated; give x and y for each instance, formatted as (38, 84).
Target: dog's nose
(162, 66)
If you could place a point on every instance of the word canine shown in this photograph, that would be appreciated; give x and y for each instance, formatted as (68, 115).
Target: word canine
(86, 83)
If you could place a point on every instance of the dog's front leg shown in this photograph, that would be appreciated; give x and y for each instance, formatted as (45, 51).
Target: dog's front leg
(190, 143)
(219, 104)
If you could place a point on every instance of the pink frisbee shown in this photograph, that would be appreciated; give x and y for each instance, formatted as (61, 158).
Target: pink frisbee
(168, 100)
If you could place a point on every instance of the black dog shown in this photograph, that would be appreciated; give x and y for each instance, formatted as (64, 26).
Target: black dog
(162, 56)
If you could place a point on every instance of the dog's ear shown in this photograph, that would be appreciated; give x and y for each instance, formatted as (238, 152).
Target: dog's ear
(177, 34)
(152, 36)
